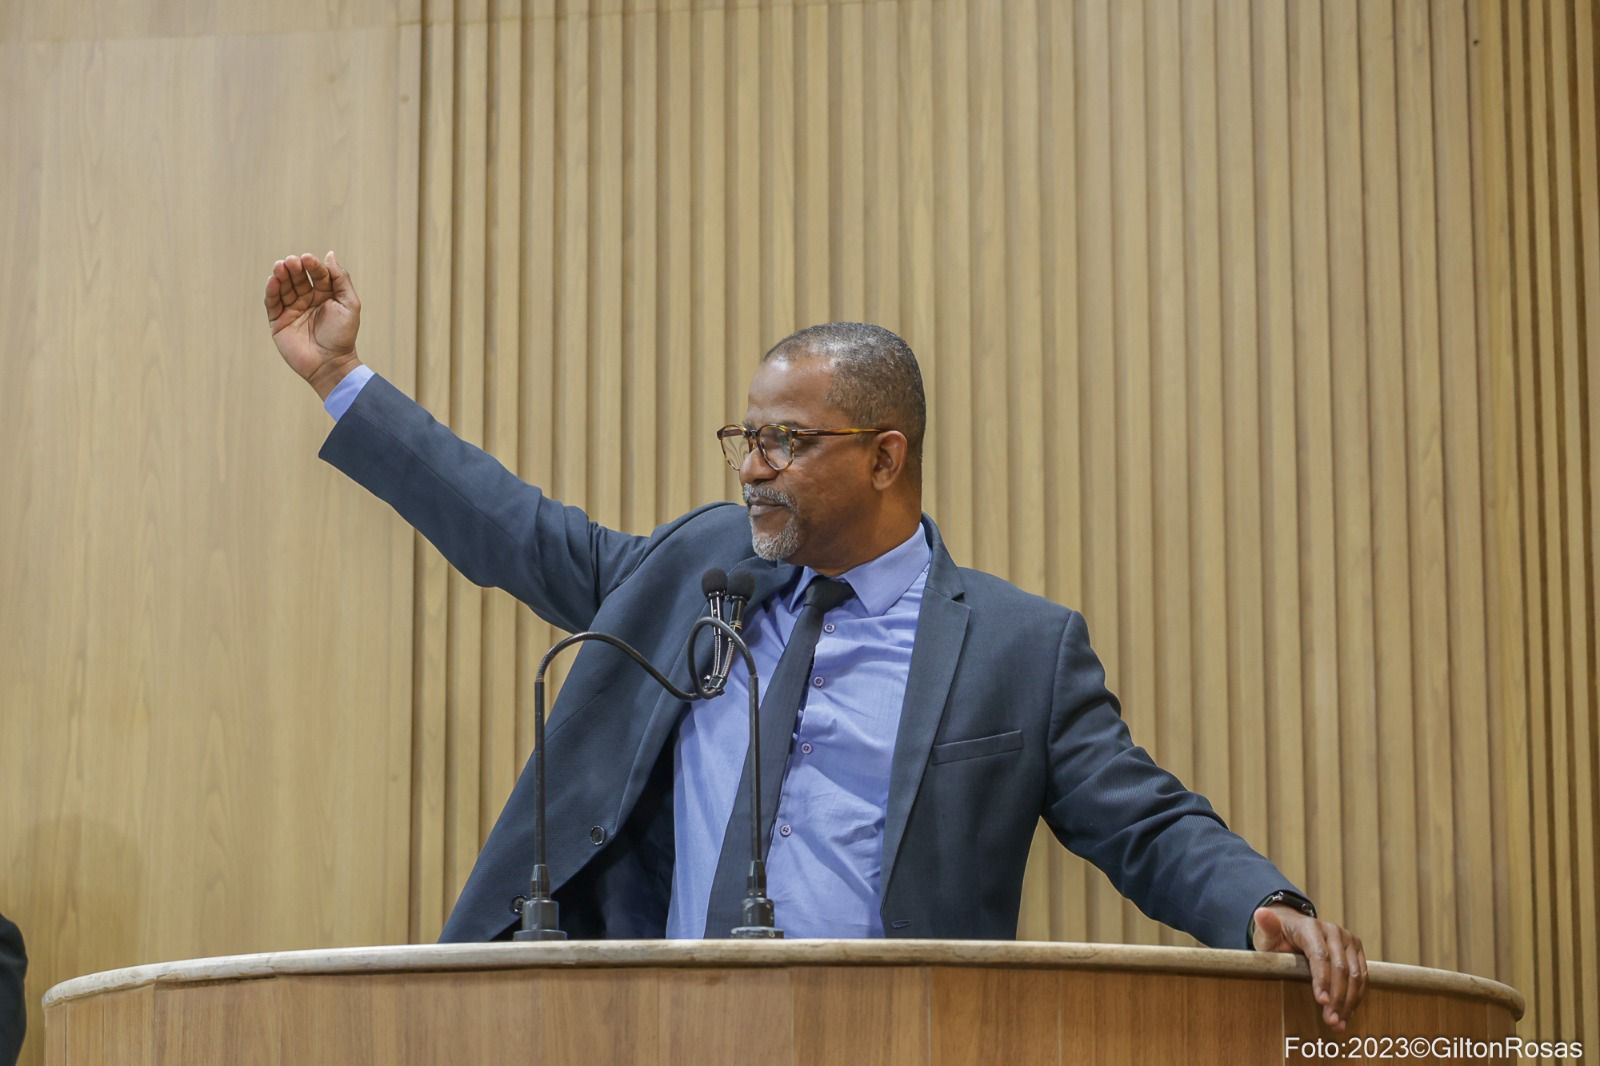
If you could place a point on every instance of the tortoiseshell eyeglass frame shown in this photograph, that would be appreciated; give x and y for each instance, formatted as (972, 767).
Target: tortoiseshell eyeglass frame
(752, 441)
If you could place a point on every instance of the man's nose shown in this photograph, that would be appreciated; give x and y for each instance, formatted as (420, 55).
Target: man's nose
(755, 468)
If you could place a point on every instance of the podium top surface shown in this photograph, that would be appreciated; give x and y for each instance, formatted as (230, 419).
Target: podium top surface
(770, 954)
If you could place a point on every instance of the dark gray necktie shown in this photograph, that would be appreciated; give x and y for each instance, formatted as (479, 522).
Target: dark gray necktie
(780, 709)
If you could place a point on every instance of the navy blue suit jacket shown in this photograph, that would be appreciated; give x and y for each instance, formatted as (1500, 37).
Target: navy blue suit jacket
(1006, 718)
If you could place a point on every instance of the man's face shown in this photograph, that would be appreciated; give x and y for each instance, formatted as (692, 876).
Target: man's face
(808, 512)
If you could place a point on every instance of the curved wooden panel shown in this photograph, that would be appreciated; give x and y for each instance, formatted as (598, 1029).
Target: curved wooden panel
(811, 1002)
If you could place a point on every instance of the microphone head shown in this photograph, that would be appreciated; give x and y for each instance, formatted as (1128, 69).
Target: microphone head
(741, 585)
(714, 582)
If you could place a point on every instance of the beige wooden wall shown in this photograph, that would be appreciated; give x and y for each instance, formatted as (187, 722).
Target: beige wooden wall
(205, 638)
(1260, 330)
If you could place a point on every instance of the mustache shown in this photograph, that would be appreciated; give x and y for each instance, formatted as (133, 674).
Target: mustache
(762, 494)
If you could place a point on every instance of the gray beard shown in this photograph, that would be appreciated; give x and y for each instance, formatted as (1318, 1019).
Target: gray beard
(775, 547)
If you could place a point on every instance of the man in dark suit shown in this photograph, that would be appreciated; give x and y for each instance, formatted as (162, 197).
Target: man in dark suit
(13, 1001)
(936, 713)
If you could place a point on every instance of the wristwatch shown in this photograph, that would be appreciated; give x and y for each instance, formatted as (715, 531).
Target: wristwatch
(1284, 897)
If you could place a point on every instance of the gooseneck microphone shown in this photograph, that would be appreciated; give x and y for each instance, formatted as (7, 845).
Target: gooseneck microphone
(714, 583)
(541, 919)
(726, 598)
(758, 921)
(741, 586)
(733, 592)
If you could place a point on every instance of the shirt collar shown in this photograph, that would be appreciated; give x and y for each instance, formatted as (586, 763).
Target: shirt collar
(878, 583)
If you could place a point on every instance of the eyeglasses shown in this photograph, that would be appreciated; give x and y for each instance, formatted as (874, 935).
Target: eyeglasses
(776, 443)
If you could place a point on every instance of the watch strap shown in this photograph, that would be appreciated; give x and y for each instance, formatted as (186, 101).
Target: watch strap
(1282, 897)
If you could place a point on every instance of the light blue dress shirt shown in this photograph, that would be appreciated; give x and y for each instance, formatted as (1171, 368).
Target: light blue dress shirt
(824, 869)
(344, 393)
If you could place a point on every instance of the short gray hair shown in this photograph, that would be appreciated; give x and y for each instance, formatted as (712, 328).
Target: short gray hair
(876, 380)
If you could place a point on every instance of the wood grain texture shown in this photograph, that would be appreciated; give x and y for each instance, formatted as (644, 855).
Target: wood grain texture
(711, 1016)
(1262, 331)
(203, 736)
(849, 1015)
(1282, 602)
(817, 1002)
(226, 1021)
(994, 1015)
(1503, 595)
(1391, 564)
(121, 1028)
(724, 953)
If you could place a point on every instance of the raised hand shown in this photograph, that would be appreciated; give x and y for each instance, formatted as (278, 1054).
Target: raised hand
(314, 314)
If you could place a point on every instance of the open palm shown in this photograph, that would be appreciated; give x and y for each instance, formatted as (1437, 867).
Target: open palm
(314, 314)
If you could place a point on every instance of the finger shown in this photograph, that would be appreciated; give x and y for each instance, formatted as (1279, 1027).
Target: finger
(343, 289)
(304, 282)
(284, 275)
(273, 298)
(1338, 973)
(295, 275)
(318, 273)
(284, 271)
(1309, 939)
(1357, 958)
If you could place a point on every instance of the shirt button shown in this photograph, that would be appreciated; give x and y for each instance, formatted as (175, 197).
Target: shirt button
(817, 681)
(784, 830)
(806, 748)
(828, 628)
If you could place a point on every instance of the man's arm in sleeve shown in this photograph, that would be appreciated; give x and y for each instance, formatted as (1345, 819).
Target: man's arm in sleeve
(1163, 846)
(495, 528)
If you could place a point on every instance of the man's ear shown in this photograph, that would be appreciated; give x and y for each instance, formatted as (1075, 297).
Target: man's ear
(890, 453)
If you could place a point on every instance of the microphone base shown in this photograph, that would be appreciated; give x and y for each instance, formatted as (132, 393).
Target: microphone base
(524, 935)
(760, 920)
(541, 917)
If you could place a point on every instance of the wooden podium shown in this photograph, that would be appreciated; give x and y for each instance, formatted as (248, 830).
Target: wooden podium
(768, 1003)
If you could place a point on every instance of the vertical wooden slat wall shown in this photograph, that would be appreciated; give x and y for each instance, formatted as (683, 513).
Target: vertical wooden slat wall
(1535, 242)
(1262, 331)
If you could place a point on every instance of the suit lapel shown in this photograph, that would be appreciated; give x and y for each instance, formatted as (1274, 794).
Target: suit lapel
(941, 631)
